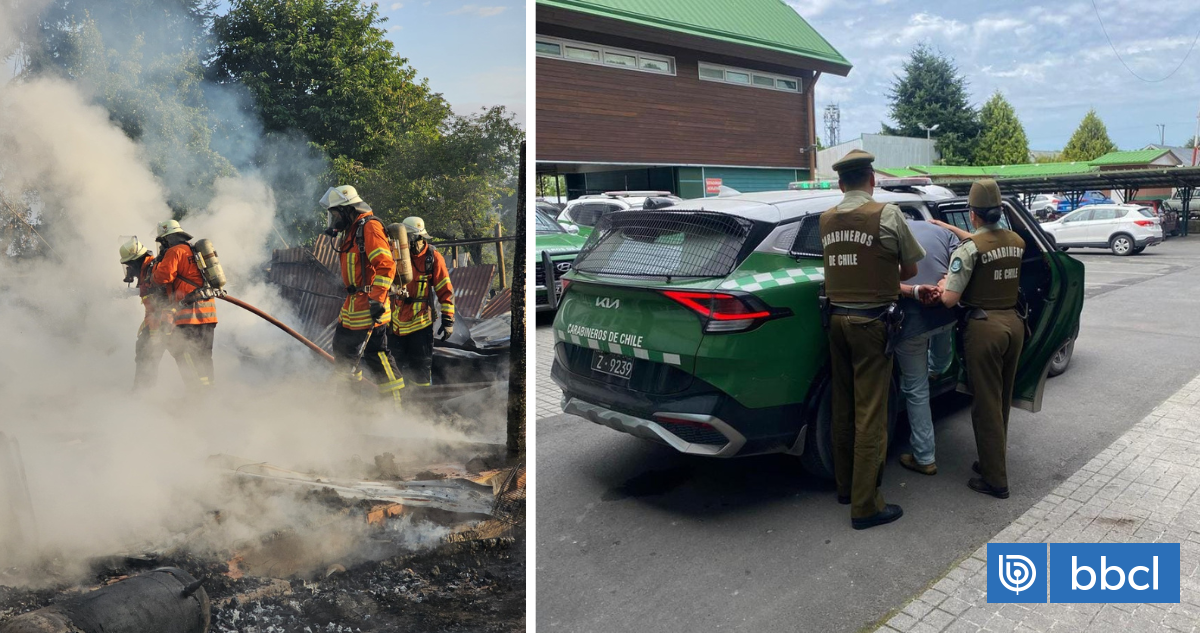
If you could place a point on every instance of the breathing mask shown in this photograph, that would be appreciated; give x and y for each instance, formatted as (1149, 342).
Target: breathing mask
(131, 271)
(336, 222)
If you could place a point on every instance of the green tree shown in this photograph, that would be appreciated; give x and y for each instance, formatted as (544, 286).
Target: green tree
(1003, 140)
(1090, 140)
(1192, 142)
(325, 68)
(462, 179)
(156, 27)
(931, 92)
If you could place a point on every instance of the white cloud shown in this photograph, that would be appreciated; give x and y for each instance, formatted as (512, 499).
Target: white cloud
(813, 8)
(397, 5)
(395, 28)
(478, 10)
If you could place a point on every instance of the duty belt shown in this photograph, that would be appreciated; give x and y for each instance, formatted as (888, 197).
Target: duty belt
(353, 290)
(870, 313)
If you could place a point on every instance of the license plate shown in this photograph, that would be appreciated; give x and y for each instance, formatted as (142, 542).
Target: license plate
(612, 364)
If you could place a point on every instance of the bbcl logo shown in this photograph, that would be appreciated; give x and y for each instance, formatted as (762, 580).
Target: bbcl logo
(1083, 572)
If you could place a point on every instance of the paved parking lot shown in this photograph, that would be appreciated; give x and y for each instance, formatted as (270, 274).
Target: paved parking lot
(632, 536)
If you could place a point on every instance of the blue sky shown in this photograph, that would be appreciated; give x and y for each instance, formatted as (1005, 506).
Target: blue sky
(473, 52)
(1050, 59)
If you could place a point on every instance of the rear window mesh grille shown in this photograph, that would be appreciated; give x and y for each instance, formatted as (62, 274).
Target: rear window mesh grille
(669, 243)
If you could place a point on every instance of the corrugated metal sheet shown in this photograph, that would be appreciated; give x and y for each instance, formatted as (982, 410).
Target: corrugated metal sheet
(307, 281)
(471, 286)
(497, 305)
(752, 180)
(769, 24)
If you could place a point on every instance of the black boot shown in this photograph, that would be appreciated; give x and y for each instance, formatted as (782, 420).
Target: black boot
(979, 485)
(889, 513)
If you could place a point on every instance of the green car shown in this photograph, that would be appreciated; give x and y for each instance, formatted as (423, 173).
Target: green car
(697, 326)
(556, 246)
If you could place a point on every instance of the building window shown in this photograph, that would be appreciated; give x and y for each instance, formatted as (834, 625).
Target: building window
(729, 75)
(573, 51)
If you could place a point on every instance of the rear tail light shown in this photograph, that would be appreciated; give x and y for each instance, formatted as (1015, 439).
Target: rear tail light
(725, 312)
(1144, 222)
(565, 283)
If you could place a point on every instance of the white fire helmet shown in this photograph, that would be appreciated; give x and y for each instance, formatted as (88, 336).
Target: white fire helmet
(132, 250)
(171, 227)
(415, 226)
(338, 196)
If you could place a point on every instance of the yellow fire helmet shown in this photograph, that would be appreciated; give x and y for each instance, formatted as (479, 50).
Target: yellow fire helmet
(340, 196)
(132, 249)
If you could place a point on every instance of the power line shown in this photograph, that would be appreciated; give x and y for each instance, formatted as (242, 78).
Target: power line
(1114, 50)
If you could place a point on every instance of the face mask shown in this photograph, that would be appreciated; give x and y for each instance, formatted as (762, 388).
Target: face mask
(336, 223)
(130, 272)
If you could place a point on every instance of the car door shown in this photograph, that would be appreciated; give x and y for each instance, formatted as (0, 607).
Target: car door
(1051, 292)
(1073, 230)
(1103, 224)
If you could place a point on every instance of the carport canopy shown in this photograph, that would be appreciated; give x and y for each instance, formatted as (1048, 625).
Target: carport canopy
(1184, 179)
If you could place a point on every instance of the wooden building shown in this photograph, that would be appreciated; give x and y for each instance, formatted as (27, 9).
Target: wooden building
(669, 95)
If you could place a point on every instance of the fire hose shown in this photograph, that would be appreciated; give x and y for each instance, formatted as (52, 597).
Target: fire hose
(279, 324)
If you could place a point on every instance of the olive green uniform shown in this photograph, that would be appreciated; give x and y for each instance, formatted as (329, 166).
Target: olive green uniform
(864, 244)
(986, 270)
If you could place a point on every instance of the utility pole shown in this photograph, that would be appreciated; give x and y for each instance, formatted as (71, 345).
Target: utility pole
(1196, 140)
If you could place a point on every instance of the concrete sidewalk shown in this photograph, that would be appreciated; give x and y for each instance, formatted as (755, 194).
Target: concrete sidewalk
(1142, 488)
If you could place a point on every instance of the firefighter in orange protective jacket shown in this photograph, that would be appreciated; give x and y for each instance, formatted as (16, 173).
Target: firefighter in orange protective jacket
(139, 264)
(194, 320)
(411, 339)
(367, 270)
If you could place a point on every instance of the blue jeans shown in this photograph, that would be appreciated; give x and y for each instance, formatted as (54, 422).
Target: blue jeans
(918, 357)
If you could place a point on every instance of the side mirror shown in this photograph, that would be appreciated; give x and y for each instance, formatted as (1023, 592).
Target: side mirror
(572, 229)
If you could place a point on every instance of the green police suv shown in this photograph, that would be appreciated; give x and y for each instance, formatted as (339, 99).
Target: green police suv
(698, 326)
(554, 248)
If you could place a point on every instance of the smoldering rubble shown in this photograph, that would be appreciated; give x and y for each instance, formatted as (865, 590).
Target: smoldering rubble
(297, 508)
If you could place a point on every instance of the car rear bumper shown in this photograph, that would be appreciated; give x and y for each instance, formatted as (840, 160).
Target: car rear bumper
(1149, 240)
(700, 419)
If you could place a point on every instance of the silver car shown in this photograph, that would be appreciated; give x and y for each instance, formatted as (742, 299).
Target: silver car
(1125, 229)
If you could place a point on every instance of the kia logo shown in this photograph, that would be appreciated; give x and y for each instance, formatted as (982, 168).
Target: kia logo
(605, 302)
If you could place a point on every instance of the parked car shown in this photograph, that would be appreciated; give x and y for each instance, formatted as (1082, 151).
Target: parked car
(698, 327)
(584, 212)
(1174, 204)
(1125, 229)
(561, 245)
(1089, 197)
(1044, 205)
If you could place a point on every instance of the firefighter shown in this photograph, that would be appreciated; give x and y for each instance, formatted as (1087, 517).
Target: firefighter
(411, 339)
(194, 318)
(148, 351)
(984, 281)
(367, 270)
(868, 251)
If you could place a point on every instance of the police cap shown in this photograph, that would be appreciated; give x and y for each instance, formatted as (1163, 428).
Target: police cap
(855, 160)
(985, 194)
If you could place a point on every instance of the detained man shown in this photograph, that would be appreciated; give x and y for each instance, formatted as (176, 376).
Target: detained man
(926, 344)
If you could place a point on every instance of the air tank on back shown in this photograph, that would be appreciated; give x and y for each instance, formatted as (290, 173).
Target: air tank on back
(398, 236)
(208, 263)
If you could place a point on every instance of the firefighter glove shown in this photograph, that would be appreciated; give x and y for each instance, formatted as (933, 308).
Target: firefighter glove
(447, 328)
(377, 309)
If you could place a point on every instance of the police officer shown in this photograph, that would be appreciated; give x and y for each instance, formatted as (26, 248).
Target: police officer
(868, 251)
(984, 278)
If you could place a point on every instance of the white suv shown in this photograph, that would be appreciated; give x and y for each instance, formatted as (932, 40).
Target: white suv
(1126, 229)
(584, 212)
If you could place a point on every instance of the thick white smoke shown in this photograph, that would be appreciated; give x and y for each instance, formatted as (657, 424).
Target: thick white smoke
(109, 470)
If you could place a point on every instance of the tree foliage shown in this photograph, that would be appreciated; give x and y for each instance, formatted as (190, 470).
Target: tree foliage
(1090, 140)
(1002, 140)
(462, 179)
(931, 92)
(325, 68)
(1192, 142)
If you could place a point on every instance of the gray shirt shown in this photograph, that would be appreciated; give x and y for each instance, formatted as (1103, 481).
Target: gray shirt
(938, 243)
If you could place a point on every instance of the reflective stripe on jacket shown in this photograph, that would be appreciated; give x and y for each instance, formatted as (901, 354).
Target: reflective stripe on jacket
(380, 268)
(410, 317)
(179, 273)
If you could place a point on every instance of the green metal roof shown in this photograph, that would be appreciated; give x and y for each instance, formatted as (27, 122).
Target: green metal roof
(1136, 157)
(1002, 171)
(768, 24)
(899, 172)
